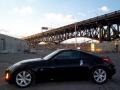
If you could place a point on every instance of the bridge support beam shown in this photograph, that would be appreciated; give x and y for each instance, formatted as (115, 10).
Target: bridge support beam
(108, 33)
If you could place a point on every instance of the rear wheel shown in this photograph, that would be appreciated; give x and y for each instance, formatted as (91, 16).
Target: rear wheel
(24, 78)
(99, 75)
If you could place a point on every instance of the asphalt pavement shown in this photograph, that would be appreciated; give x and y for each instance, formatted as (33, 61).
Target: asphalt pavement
(8, 59)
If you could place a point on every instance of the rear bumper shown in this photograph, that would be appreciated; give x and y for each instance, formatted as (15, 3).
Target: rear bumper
(112, 70)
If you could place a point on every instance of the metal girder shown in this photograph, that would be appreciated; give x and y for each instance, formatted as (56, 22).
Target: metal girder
(103, 28)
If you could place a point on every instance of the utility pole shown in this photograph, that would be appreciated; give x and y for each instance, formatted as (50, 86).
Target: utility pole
(66, 40)
(75, 36)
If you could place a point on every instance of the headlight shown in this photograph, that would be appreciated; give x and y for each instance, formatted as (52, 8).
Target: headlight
(7, 76)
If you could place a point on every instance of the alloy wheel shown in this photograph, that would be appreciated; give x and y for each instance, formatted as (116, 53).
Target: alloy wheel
(23, 78)
(100, 75)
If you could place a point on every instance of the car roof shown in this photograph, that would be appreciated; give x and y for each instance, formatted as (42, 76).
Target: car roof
(69, 49)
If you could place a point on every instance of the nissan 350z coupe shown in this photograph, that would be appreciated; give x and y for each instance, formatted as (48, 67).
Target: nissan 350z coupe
(61, 64)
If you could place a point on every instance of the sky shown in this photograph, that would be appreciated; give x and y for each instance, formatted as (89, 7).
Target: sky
(21, 18)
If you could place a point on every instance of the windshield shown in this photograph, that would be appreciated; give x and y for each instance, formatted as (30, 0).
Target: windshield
(51, 55)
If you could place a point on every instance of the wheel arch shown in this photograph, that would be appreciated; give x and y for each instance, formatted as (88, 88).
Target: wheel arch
(17, 70)
(98, 66)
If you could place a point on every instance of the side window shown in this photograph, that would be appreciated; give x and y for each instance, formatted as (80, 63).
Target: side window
(85, 56)
(68, 55)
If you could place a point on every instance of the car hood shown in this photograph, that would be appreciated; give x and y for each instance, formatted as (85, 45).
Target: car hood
(31, 60)
(27, 62)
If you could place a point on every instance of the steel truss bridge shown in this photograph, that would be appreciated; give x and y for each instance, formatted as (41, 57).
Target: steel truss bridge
(103, 28)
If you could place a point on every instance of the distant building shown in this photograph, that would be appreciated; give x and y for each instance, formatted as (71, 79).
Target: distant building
(12, 45)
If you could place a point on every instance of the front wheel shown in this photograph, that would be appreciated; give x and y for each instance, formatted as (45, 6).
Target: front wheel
(99, 75)
(23, 78)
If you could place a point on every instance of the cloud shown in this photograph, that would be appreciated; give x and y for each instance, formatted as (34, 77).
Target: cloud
(58, 19)
(31, 1)
(104, 9)
(24, 10)
(3, 31)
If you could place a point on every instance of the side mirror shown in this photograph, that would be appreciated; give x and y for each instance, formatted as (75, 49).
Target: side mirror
(53, 59)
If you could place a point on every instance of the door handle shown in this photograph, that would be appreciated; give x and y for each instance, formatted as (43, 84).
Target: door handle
(41, 69)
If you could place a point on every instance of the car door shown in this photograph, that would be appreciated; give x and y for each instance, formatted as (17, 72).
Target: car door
(85, 65)
(67, 64)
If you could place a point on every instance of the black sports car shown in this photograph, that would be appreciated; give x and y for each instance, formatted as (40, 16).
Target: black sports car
(61, 64)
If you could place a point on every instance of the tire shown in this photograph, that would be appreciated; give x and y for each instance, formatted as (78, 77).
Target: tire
(24, 78)
(99, 75)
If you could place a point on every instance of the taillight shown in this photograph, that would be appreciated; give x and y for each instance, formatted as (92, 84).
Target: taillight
(108, 60)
